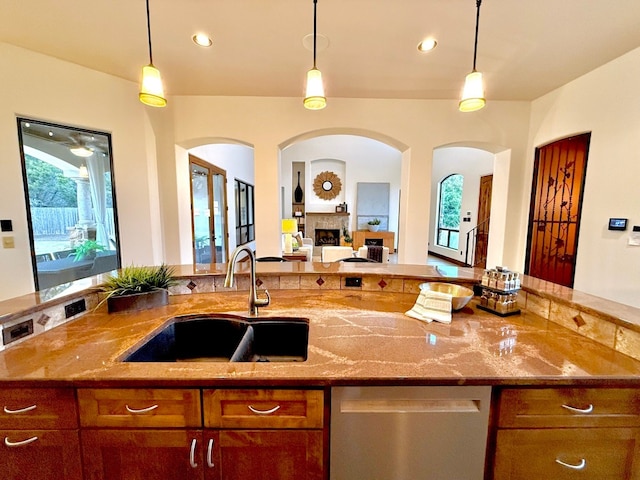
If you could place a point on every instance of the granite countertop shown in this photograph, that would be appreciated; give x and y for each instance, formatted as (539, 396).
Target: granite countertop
(354, 338)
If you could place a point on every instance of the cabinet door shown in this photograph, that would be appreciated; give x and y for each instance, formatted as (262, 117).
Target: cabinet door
(40, 454)
(142, 454)
(572, 453)
(267, 455)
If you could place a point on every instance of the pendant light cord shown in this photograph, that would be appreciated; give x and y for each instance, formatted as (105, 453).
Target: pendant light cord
(315, 6)
(149, 34)
(475, 45)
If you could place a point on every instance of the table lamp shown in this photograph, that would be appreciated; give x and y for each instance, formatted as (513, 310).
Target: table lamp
(289, 227)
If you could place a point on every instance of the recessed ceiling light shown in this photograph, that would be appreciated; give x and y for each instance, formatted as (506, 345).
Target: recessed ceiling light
(50, 133)
(27, 124)
(202, 40)
(427, 45)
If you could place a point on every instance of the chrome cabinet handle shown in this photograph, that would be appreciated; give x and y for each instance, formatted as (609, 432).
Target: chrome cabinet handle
(589, 409)
(141, 410)
(192, 454)
(19, 410)
(264, 412)
(580, 466)
(210, 463)
(20, 443)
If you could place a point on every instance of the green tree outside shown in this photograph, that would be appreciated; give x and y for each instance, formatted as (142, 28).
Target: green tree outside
(451, 201)
(48, 187)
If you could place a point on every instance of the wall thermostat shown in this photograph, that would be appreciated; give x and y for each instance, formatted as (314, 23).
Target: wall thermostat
(617, 224)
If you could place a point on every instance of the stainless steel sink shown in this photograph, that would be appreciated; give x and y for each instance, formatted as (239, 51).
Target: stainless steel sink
(225, 338)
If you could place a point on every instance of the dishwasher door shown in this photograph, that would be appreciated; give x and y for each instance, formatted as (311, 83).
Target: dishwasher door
(409, 433)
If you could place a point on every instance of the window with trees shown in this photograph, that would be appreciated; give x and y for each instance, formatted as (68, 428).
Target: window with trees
(70, 200)
(245, 228)
(449, 206)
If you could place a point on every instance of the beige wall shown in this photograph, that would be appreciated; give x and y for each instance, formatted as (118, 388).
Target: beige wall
(606, 103)
(415, 127)
(40, 87)
(147, 142)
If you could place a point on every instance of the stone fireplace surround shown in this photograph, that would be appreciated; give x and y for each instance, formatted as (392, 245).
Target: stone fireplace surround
(327, 221)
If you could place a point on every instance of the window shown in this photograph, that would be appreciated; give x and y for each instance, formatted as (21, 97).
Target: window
(71, 208)
(449, 205)
(245, 229)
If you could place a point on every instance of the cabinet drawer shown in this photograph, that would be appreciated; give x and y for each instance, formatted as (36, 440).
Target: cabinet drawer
(254, 408)
(132, 407)
(585, 453)
(38, 408)
(569, 407)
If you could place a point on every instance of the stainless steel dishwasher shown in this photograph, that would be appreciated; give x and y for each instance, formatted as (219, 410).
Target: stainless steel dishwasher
(409, 433)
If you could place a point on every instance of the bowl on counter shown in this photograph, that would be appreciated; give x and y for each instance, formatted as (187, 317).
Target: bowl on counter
(460, 295)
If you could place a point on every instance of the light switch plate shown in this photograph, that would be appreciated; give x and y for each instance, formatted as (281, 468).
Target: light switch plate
(8, 242)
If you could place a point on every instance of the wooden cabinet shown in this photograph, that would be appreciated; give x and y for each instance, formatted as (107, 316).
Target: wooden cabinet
(567, 433)
(360, 236)
(146, 454)
(141, 408)
(158, 434)
(39, 432)
(267, 434)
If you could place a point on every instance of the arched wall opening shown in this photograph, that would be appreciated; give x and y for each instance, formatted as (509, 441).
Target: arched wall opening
(355, 156)
(472, 160)
(233, 156)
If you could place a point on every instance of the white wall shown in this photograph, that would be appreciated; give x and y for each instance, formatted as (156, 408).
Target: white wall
(606, 103)
(364, 160)
(44, 88)
(413, 127)
(237, 161)
(472, 163)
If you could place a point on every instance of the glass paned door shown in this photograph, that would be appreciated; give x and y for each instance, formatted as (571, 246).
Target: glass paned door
(202, 224)
(71, 205)
(209, 212)
(219, 216)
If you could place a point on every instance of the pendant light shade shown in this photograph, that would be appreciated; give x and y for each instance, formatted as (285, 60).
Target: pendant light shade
(473, 91)
(151, 89)
(314, 98)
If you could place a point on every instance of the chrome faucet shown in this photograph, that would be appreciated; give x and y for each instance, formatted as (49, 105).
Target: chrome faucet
(254, 301)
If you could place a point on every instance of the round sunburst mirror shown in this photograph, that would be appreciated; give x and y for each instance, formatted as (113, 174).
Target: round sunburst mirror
(327, 185)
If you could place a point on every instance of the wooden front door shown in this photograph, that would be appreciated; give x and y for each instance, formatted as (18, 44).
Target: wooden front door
(556, 204)
(484, 213)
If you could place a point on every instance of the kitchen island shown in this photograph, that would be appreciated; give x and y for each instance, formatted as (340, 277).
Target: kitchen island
(358, 336)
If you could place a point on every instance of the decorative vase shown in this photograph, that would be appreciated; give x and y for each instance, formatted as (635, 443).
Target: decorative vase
(298, 193)
(373, 228)
(138, 301)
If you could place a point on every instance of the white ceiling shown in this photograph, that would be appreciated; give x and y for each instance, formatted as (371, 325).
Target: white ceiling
(526, 47)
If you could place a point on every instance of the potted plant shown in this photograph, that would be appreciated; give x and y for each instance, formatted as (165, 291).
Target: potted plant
(373, 225)
(138, 288)
(87, 249)
(346, 238)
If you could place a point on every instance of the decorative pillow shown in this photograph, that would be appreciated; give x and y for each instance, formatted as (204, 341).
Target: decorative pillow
(298, 238)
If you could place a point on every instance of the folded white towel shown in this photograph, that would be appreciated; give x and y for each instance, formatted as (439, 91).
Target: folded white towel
(432, 306)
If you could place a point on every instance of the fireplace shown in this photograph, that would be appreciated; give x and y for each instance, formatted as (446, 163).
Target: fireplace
(327, 236)
(323, 223)
(379, 242)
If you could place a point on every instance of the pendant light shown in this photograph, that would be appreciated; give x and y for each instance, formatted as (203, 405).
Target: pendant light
(151, 90)
(314, 98)
(473, 91)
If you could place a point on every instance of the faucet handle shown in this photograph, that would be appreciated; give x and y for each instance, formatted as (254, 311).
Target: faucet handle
(263, 302)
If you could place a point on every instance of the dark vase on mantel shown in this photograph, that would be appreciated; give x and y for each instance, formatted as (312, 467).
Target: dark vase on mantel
(297, 194)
